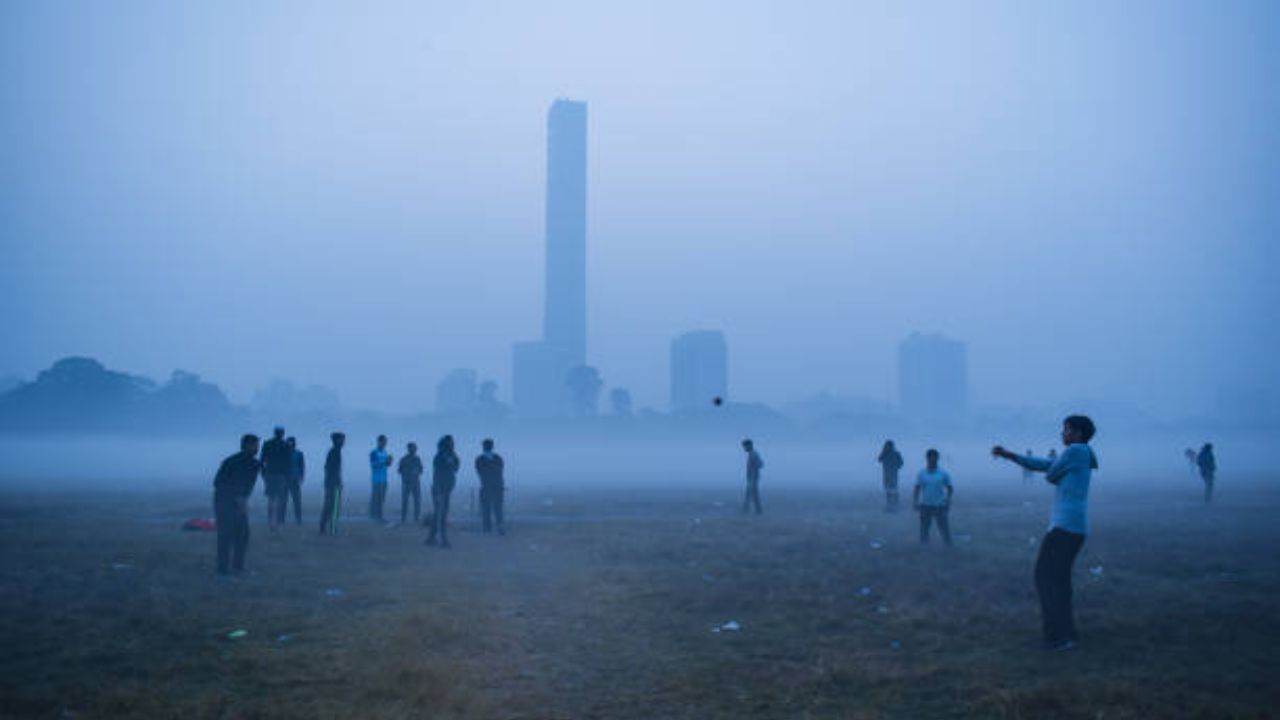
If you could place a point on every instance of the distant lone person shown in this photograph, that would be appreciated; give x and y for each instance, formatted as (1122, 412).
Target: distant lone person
(297, 474)
(932, 497)
(379, 461)
(1068, 526)
(332, 506)
(410, 469)
(277, 459)
(890, 463)
(444, 476)
(489, 467)
(754, 465)
(232, 487)
(1208, 470)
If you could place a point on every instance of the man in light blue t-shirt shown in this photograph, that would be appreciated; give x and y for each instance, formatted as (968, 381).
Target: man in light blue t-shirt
(932, 497)
(1070, 474)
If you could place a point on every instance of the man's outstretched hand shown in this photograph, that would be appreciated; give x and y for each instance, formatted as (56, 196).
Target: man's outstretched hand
(1000, 452)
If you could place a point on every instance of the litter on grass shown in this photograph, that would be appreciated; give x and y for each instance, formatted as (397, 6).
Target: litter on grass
(1096, 571)
(237, 634)
(333, 593)
(121, 566)
(876, 543)
(864, 591)
(882, 609)
(895, 645)
(731, 626)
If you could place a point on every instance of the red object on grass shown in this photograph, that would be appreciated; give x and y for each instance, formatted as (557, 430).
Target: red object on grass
(199, 524)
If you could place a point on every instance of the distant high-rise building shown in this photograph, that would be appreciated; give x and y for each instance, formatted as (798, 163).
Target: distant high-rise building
(699, 370)
(539, 371)
(539, 368)
(456, 393)
(932, 377)
(566, 229)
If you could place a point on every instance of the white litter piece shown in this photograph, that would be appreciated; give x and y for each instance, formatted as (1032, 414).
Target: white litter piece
(121, 566)
(876, 543)
(1031, 541)
(283, 638)
(895, 645)
(237, 634)
(964, 538)
(718, 504)
(731, 626)
(708, 578)
(1096, 571)
(864, 591)
(882, 609)
(333, 593)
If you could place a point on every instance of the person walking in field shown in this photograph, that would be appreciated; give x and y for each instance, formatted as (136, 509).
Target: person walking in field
(276, 461)
(332, 506)
(410, 469)
(1208, 466)
(932, 498)
(754, 465)
(1070, 475)
(297, 473)
(232, 487)
(444, 476)
(489, 467)
(379, 461)
(890, 463)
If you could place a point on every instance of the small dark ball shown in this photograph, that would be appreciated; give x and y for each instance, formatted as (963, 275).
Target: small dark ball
(718, 401)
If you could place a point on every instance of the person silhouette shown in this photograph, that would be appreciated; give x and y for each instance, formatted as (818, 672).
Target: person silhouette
(297, 474)
(890, 463)
(410, 469)
(379, 461)
(754, 465)
(1208, 465)
(277, 460)
(490, 467)
(444, 476)
(232, 487)
(332, 506)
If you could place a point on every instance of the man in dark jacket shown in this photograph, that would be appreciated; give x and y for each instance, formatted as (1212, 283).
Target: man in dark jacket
(297, 473)
(276, 459)
(1208, 465)
(410, 469)
(489, 467)
(332, 486)
(444, 476)
(232, 487)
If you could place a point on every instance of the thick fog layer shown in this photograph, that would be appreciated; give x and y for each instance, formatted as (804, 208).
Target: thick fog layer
(353, 198)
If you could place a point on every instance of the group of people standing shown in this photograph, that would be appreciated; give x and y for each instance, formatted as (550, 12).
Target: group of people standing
(931, 496)
(283, 468)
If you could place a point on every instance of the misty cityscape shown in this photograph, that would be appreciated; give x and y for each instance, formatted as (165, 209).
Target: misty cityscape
(664, 360)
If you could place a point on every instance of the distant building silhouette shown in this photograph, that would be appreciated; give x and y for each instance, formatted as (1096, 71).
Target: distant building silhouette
(566, 229)
(538, 379)
(456, 393)
(699, 370)
(932, 377)
(539, 369)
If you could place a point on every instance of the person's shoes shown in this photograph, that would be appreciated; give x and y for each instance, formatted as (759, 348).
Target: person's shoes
(1061, 646)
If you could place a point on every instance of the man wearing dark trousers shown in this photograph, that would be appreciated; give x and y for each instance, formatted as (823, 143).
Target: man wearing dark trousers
(489, 467)
(297, 473)
(754, 463)
(332, 486)
(232, 487)
(410, 469)
(444, 477)
(1070, 474)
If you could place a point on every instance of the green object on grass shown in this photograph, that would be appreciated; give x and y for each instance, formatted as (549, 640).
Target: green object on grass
(237, 634)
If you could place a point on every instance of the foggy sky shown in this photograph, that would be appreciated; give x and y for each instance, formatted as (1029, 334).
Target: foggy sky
(1086, 195)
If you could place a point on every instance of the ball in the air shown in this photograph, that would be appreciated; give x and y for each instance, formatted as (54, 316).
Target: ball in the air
(717, 401)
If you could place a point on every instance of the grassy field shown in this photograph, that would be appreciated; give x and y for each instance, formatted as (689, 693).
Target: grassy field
(601, 604)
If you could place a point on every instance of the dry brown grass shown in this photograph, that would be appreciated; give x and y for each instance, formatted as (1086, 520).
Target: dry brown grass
(601, 606)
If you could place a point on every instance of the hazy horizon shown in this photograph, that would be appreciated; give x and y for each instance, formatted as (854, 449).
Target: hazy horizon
(1085, 195)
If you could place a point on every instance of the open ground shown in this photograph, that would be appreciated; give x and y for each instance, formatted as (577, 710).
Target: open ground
(601, 603)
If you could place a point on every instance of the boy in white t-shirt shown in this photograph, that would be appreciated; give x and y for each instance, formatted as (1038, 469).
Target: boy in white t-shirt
(932, 497)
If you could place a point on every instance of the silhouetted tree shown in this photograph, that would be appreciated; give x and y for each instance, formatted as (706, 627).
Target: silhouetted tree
(620, 399)
(584, 386)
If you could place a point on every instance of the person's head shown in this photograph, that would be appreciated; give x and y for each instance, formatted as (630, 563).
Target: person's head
(487, 445)
(1208, 447)
(445, 444)
(338, 438)
(382, 442)
(748, 445)
(931, 458)
(1077, 429)
(413, 447)
(278, 432)
(888, 446)
(292, 442)
(249, 443)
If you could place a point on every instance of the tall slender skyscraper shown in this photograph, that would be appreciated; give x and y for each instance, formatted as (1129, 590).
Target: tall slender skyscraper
(565, 322)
